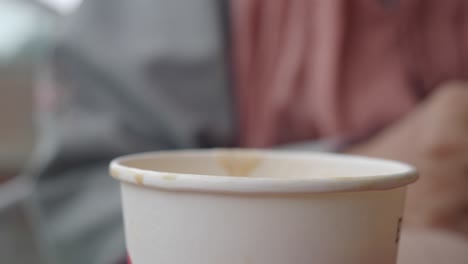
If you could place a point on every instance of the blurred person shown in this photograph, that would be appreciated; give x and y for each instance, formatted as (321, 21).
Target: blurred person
(382, 78)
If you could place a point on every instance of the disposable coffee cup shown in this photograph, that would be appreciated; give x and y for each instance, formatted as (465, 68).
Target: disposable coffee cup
(261, 207)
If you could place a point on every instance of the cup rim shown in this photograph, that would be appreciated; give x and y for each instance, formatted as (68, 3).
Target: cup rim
(405, 175)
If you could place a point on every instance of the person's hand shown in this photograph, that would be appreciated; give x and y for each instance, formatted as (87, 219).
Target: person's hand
(432, 248)
(434, 138)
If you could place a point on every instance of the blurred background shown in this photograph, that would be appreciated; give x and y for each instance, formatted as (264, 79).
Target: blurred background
(131, 76)
(27, 29)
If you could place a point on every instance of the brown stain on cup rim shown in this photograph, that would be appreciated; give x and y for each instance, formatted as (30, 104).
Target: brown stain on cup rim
(139, 179)
(169, 177)
(114, 173)
(238, 164)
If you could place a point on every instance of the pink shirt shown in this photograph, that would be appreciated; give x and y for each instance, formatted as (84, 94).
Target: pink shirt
(307, 69)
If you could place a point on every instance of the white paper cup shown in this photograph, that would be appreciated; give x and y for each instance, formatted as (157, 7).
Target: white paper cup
(261, 207)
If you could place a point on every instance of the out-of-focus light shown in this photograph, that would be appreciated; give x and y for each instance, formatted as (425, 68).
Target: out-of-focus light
(62, 6)
(21, 23)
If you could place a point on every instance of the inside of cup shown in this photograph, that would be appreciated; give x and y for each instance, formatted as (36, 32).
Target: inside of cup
(264, 164)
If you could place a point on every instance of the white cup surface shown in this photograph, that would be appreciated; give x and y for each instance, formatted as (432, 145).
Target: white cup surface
(261, 207)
